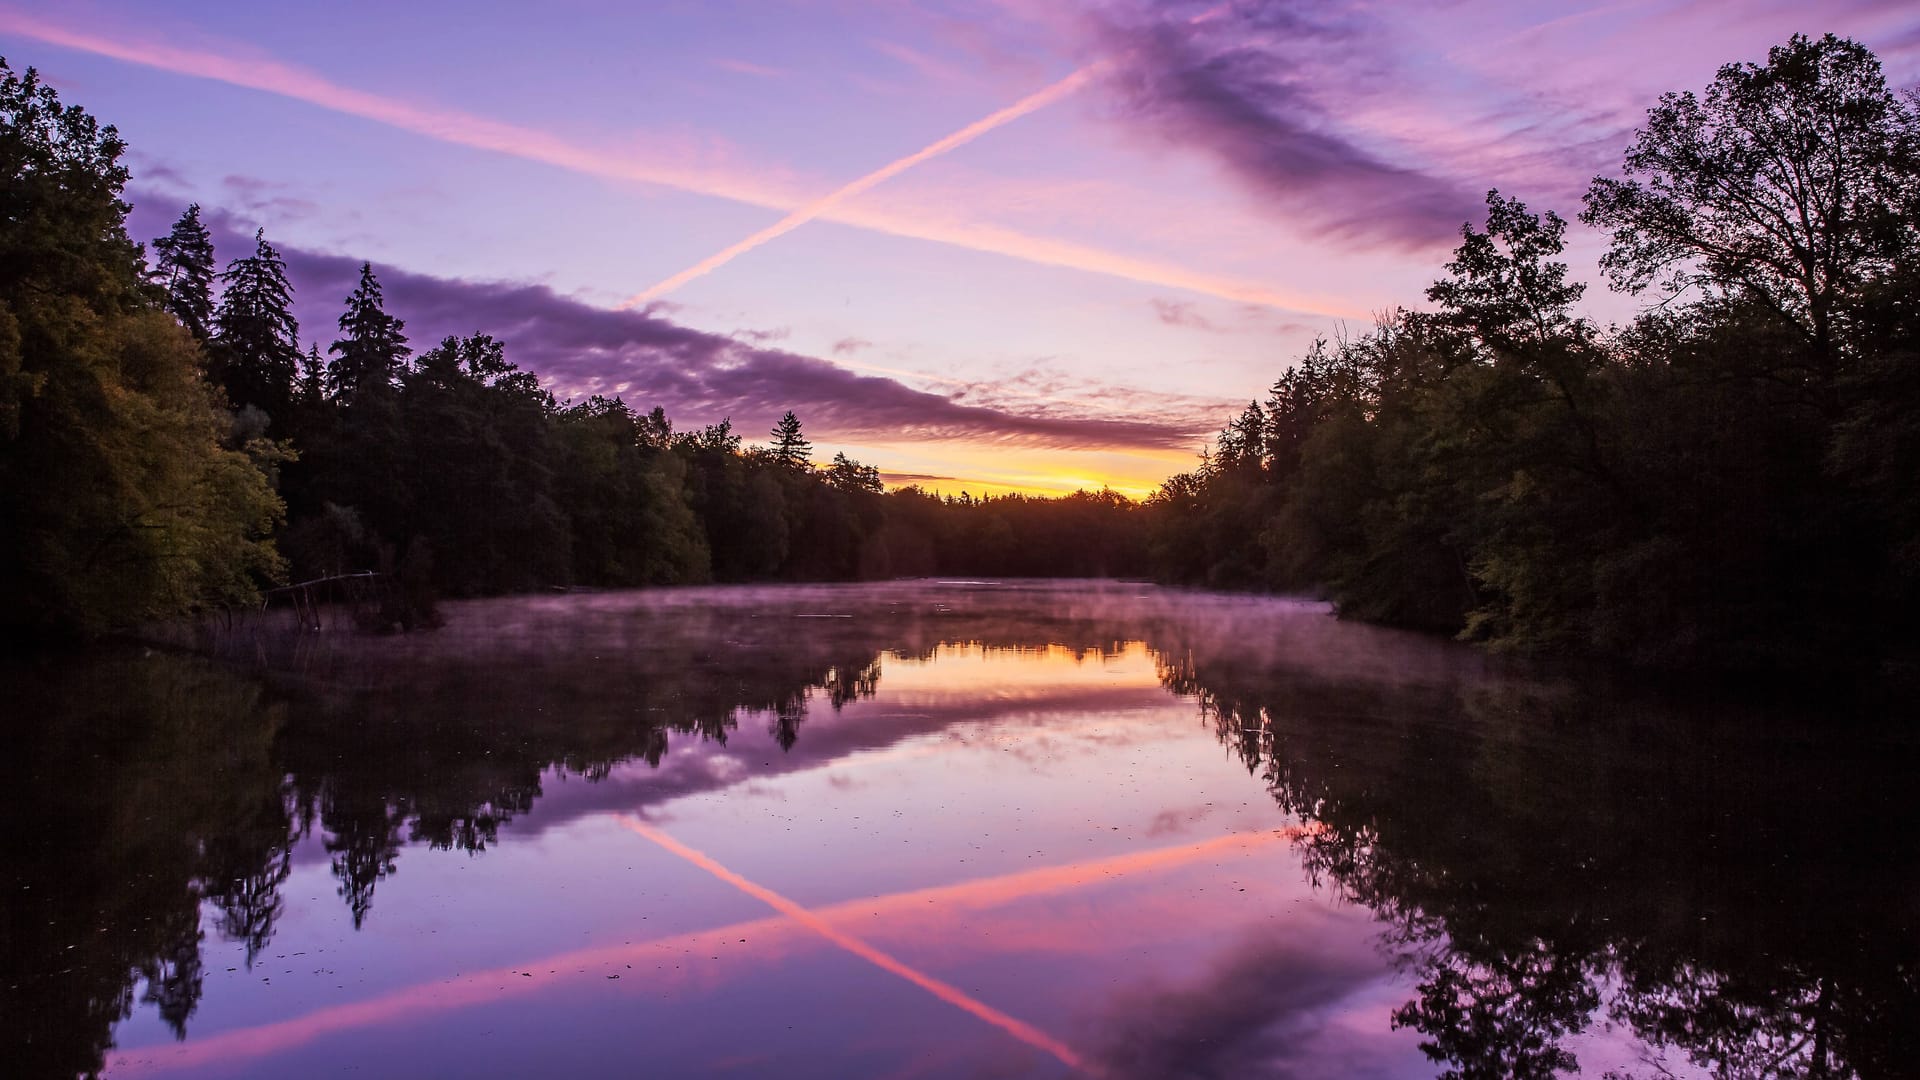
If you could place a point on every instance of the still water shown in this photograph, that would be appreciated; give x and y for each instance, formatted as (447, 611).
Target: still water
(937, 829)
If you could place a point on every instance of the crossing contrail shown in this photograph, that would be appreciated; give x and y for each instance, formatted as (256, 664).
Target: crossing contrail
(945, 991)
(252, 71)
(1039, 99)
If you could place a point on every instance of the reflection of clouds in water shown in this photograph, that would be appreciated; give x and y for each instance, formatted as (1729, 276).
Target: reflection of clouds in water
(865, 734)
(1271, 1005)
(1175, 821)
(1514, 819)
(921, 919)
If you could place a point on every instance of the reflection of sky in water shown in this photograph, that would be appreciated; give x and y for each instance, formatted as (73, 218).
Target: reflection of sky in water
(1055, 837)
(950, 830)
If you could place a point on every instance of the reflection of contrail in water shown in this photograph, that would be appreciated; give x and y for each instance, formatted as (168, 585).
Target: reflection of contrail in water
(946, 992)
(543, 973)
(1039, 99)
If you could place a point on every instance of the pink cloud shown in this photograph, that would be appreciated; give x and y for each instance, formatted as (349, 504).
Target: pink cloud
(662, 165)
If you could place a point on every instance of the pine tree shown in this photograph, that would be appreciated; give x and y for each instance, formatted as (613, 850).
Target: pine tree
(312, 387)
(372, 348)
(184, 268)
(789, 448)
(256, 344)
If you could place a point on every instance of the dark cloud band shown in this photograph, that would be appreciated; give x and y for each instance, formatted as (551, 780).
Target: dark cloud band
(579, 349)
(1233, 80)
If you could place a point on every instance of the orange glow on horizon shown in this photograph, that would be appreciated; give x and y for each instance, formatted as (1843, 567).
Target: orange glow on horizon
(1043, 675)
(949, 467)
(1039, 487)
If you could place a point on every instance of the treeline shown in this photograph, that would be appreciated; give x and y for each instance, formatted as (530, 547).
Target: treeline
(1728, 480)
(1732, 479)
(167, 446)
(454, 468)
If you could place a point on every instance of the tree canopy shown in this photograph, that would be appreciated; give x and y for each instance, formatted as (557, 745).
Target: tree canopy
(183, 266)
(256, 341)
(1710, 485)
(790, 448)
(1720, 482)
(372, 346)
(1789, 185)
(122, 497)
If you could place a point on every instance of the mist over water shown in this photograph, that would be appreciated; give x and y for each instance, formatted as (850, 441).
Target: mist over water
(937, 829)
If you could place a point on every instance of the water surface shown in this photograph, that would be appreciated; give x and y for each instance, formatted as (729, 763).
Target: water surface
(938, 830)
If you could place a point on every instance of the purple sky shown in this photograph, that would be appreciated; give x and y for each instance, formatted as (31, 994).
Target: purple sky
(1030, 244)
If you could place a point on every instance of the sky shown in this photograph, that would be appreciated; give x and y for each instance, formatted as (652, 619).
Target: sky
(985, 245)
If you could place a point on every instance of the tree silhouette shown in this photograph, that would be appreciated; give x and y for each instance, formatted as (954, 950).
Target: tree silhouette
(1720, 483)
(184, 268)
(118, 501)
(368, 355)
(256, 347)
(850, 476)
(1788, 185)
(790, 449)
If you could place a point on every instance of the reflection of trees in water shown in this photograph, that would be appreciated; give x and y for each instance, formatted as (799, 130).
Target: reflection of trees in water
(148, 786)
(447, 760)
(140, 787)
(1727, 886)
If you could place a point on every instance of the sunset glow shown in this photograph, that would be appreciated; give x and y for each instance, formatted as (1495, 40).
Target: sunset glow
(1097, 232)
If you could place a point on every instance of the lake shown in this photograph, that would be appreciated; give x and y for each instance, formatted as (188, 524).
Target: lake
(938, 829)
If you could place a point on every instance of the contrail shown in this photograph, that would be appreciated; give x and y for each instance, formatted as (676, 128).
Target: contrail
(945, 991)
(1039, 99)
(266, 75)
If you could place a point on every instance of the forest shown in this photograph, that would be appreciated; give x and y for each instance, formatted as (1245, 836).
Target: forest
(1727, 481)
(1724, 482)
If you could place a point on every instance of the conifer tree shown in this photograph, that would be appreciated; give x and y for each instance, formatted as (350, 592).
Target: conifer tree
(184, 268)
(372, 347)
(313, 376)
(789, 447)
(256, 344)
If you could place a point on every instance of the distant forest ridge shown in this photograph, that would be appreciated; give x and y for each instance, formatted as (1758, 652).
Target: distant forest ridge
(1727, 481)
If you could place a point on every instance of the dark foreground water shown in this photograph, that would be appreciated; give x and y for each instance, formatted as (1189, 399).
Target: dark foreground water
(937, 830)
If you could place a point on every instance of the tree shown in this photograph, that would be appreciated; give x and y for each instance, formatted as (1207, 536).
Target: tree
(1506, 287)
(184, 268)
(312, 388)
(256, 346)
(623, 495)
(63, 242)
(480, 454)
(790, 449)
(1242, 445)
(1787, 186)
(118, 502)
(850, 476)
(372, 347)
